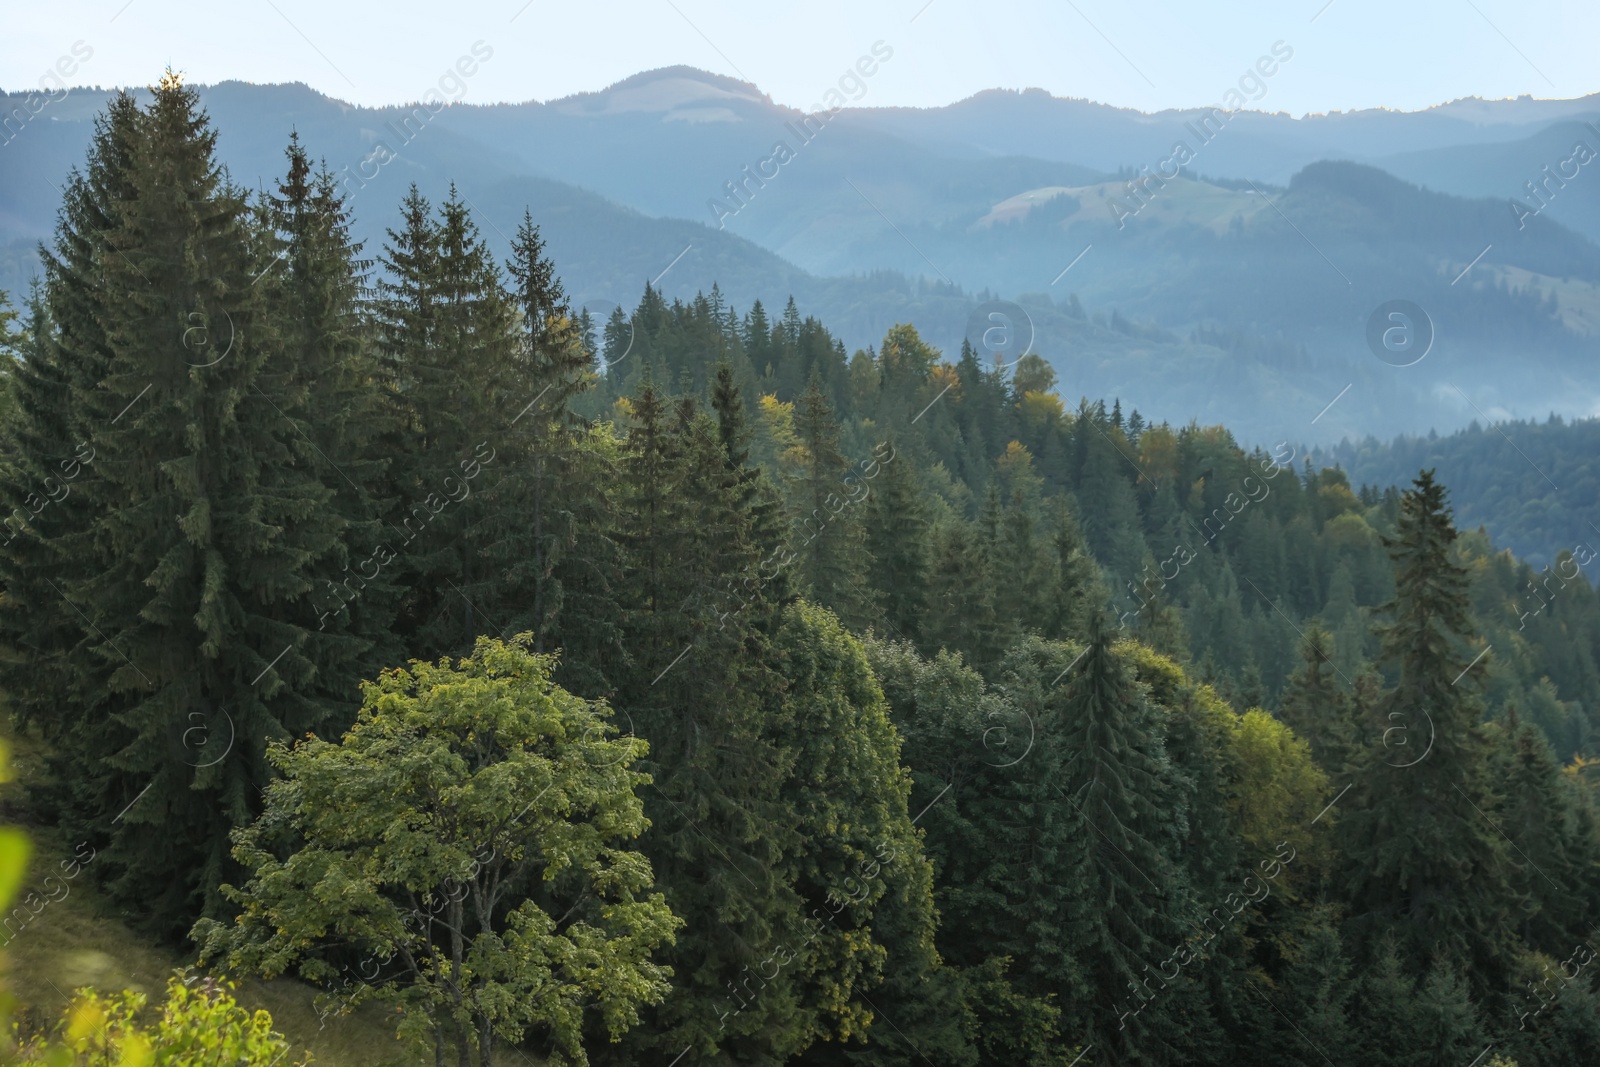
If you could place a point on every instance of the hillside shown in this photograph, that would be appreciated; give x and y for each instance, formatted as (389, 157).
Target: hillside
(1533, 485)
(610, 689)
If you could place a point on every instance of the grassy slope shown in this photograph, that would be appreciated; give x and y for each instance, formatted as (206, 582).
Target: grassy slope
(77, 940)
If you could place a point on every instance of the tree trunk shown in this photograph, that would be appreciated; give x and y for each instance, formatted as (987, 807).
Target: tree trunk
(485, 1043)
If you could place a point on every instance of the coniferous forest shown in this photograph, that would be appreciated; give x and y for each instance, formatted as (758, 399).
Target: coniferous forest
(679, 687)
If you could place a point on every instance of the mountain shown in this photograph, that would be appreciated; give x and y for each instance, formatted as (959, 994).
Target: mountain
(1133, 274)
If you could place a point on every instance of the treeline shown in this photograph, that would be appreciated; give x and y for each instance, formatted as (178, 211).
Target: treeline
(1532, 484)
(980, 731)
(1215, 556)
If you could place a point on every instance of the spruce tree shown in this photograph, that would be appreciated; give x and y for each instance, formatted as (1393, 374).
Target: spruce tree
(191, 580)
(548, 562)
(1425, 855)
(448, 341)
(1541, 813)
(695, 684)
(897, 544)
(1312, 1002)
(1316, 708)
(1114, 781)
(829, 536)
(984, 770)
(325, 384)
(961, 616)
(1447, 1028)
(1386, 1011)
(48, 537)
(868, 978)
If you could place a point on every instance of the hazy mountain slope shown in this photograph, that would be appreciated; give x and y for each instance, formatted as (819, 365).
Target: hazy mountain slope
(1265, 145)
(892, 215)
(1569, 188)
(1534, 485)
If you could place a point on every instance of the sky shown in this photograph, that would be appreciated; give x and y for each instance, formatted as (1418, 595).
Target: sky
(1150, 55)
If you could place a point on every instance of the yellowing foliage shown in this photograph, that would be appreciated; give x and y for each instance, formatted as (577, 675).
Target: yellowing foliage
(1274, 787)
(1040, 408)
(946, 381)
(1158, 455)
(777, 421)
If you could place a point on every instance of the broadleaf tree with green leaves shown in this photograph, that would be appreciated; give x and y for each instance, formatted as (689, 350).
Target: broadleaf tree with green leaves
(472, 835)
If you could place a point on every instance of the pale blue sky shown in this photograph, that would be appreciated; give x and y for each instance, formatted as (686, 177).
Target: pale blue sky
(1349, 54)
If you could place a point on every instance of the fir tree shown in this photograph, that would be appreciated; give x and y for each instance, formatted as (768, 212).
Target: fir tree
(1425, 856)
(192, 584)
(548, 563)
(315, 281)
(1541, 813)
(1312, 1003)
(961, 615)
(48, 536)
(1316, 709)
(897, 545)
(829, 536)
(449, 344)
(1127, 910)
(695, 683)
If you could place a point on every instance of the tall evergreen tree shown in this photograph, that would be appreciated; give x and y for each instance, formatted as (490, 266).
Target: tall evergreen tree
(448, 341)
(1316, 709)
(547, 560)
(1130, 906)
(1312, 1003)
(194, 600)
(1542, 813)
(1425, 856)
(695, 684)
(897, 545)
(829, 535)
(961, 615)
(325, 384)
(48, 535)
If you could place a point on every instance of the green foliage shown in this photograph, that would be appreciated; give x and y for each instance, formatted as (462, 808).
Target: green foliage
(200, 1025)
(473, 832)
(1119, 847)
(172, 599)
(1424, 857)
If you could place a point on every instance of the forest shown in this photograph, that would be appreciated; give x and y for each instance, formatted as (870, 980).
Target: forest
(678, 687)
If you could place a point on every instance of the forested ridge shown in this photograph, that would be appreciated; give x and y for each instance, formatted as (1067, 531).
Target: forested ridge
(1529, 482)
(679, 684)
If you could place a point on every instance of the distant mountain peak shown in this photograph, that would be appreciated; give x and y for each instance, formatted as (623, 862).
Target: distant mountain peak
(678, 93)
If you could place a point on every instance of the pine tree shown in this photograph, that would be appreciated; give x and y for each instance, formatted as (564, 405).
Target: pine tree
(325, 384)
(1425, 857)
(1316, 709)
(1113, 781)
(1312, 1001)
(191, 579)
(829, 536)
(897, 545)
